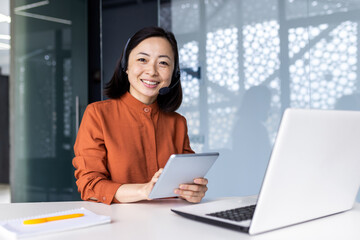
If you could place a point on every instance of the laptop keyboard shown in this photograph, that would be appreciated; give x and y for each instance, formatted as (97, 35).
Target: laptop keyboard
(236, 214)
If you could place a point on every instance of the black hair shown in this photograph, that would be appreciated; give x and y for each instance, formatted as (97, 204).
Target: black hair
(119, 82)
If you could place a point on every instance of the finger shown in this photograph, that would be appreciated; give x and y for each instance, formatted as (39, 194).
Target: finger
(201, 181)
(154, 179)
(192, 199)
(186, 193)
(193, 187)
(156, 175)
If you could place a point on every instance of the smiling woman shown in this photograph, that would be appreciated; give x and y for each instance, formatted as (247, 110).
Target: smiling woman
(124, 142)
(120, 81)
(150, 68)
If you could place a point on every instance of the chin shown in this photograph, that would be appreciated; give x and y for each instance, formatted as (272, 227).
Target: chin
(152, 95)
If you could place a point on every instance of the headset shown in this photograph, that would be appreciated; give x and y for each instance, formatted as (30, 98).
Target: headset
(162, 91)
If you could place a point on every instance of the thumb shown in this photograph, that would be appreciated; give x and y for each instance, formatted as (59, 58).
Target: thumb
(156, 175)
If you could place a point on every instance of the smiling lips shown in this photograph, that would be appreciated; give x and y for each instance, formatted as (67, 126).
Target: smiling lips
(149, 83)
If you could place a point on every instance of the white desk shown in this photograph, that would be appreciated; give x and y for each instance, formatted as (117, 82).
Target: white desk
(154, 220)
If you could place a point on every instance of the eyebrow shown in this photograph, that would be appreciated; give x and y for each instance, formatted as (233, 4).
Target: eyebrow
(160, 56)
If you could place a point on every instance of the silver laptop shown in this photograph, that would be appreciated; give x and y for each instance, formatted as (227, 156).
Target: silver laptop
(314, 171)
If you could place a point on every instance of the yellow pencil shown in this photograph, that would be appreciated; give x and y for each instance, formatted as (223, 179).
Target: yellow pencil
(55, 218)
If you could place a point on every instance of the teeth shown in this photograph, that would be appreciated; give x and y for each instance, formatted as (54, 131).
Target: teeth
(150, 82)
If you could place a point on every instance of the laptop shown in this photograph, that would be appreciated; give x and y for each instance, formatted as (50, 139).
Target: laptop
(314, 171)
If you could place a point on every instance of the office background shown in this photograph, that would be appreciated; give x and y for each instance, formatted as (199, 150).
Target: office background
(243, 63)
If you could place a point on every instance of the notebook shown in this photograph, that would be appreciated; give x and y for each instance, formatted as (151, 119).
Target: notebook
(313, 172)
(16, 229)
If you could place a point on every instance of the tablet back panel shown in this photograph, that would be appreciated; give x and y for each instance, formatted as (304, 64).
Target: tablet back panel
(182, 168)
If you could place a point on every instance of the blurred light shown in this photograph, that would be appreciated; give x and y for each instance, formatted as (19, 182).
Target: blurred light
(4, 18)
(4, 46)
(6, 37)
(33, 5)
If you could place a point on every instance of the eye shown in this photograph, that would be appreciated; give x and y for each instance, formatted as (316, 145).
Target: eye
(141, 60)
(164, 63)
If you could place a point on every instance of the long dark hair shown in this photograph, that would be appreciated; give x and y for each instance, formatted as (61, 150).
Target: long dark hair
(119, 82)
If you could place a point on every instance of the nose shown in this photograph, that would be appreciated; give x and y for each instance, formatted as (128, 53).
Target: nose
(151, 69)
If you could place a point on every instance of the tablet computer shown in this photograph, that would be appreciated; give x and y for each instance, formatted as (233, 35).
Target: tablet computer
(182, 168)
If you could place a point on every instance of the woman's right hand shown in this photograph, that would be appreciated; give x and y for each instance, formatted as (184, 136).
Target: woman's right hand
(134, 192)
(150, 185)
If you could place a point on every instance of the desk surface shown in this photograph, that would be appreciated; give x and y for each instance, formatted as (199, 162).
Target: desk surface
(154, 220)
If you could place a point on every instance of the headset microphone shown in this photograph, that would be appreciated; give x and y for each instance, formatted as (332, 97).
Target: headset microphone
(166, 90)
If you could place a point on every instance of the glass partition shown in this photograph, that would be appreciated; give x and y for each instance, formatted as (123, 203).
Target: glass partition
(48, 94)
(244, 62)
(4, 37)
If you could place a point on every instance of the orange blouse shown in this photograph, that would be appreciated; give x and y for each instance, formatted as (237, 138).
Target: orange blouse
(124, 141)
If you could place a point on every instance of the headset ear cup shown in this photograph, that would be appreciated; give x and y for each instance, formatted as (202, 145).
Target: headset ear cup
(176, 78)
(122, 67)
(123, 62)
(177, 75)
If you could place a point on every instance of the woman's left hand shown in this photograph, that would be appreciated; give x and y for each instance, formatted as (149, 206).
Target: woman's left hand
(193, 192)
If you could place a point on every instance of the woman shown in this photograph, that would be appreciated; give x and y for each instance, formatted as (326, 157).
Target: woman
(124, 142)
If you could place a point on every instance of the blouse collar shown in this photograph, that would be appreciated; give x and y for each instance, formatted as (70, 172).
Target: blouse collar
(132, 102)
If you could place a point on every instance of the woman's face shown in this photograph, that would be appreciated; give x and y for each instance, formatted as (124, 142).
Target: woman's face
(150, 67)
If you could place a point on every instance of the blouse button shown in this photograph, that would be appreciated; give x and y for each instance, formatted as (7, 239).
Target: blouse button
(146, 110)
(104, 198)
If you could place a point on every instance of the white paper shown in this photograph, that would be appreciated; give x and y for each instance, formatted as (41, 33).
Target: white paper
(16, 229)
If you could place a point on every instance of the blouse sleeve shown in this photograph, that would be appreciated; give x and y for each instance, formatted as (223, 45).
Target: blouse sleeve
(90, 161)
(187, 148)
